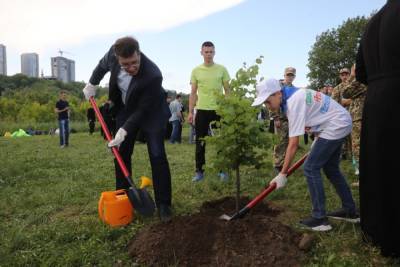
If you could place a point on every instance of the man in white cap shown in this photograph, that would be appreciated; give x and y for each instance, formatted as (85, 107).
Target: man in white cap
(329, 121)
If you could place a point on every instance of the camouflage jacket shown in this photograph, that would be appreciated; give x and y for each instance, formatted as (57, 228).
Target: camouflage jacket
(279, 114)
(337, 93)
(355, 91)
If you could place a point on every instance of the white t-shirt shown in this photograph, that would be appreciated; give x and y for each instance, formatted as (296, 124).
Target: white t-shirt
(309, 108)
(175, 107)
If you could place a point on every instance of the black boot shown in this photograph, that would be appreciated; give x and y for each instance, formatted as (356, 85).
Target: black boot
(164, 212)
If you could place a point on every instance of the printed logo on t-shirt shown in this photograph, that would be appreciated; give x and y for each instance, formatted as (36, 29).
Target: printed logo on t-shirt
(317, 97)
(325, 104)
(309, 97)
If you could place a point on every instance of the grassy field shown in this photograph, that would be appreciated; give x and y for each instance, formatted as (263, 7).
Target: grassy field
(48, 204)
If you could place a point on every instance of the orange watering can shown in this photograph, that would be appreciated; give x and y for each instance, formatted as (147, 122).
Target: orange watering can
(115, 208)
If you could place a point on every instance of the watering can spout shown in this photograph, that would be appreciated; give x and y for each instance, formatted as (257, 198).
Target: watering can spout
(145, 182)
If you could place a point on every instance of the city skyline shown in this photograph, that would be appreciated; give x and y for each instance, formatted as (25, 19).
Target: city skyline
(62, 68)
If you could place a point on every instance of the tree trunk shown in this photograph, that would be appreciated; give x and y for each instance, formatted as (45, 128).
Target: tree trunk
(237, 188)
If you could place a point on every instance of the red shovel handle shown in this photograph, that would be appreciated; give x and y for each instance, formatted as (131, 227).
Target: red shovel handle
(272, 187)
(109, 137)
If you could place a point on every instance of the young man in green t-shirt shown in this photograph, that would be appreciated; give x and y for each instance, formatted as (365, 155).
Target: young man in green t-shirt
(206, 80)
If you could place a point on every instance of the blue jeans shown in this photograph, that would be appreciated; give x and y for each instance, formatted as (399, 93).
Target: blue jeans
(63, 126)
(176, 135)
(325, 155)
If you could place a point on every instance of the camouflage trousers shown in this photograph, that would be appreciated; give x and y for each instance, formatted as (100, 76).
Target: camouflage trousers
(355, 140)
(347, 148)
(283, 141)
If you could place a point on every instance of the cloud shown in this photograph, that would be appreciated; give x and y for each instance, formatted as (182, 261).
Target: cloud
(33, 25)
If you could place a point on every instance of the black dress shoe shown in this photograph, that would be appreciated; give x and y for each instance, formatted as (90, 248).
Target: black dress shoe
(164, 211)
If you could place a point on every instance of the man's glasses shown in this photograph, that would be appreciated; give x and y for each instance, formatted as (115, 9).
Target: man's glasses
(129, 65)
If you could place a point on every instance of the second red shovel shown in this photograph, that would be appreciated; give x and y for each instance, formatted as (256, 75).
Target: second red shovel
(262, 195)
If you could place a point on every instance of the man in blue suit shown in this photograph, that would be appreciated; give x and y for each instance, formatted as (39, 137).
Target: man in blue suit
(138, 102)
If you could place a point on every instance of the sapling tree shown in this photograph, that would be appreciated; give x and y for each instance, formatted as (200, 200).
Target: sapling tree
(239, 138)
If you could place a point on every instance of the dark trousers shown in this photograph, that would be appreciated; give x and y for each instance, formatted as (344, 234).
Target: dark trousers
(91, 126)
(271, 127)
(202, 124)
(168, 132)
(158, 161)
(306, 138)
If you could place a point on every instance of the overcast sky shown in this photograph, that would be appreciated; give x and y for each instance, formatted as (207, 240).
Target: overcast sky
(170, 32)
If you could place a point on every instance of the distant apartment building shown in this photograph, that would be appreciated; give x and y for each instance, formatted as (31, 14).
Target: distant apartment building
(63, 69)
(3, 60)
(30, 64)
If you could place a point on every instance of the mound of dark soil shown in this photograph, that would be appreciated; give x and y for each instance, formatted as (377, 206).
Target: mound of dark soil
(204, 240)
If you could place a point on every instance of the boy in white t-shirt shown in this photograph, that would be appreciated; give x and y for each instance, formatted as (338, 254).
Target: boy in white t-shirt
(306, 108)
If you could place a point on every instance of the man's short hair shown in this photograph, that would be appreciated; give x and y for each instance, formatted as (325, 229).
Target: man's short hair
(178, 96)
(126, 47)
(207, 44)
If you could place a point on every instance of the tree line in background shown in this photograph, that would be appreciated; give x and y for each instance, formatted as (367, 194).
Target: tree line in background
(335, 49)
(25, 99)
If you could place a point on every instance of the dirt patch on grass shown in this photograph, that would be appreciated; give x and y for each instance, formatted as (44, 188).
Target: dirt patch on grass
(66, 213)
(202, 239)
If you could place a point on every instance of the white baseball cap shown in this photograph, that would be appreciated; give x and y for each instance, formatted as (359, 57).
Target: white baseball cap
(265, 89)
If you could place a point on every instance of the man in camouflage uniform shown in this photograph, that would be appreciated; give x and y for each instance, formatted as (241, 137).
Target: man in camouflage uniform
(281, 124)
(356, 92)
(337, 95)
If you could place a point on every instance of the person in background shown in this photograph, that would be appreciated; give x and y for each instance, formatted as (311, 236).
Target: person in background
(356, 92)
(281, 122)
(207, 80)
(337, 95)
(176, 119)
(323, 90)
(108, 119)
(329, 89)
(91, 117)
(62, 109)
(168, 132)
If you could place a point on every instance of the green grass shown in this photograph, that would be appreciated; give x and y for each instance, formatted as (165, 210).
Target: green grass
(48, 204)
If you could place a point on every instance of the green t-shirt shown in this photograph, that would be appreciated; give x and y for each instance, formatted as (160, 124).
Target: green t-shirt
(209, 80)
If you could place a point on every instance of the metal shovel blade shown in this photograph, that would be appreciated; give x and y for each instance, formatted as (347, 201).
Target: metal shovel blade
(141, 201)
(225, 217)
